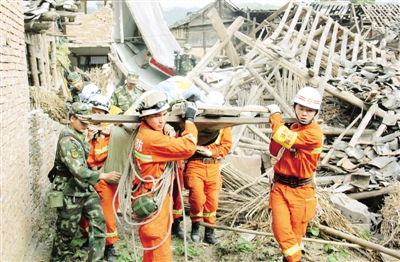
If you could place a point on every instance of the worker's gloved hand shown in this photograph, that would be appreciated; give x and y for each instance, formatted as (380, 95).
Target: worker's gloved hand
(203, 151)
(274, 108)
(190, 110)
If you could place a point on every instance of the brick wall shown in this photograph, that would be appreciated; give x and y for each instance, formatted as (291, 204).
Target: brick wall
(14, 141)
(26, 143)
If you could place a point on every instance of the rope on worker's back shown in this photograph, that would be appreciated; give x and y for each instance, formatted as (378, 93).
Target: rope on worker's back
(160, 188)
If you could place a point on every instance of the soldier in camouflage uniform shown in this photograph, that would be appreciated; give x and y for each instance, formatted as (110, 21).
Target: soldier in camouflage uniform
(124, 96)
(186, 62)
(77, 183)
(75, 85)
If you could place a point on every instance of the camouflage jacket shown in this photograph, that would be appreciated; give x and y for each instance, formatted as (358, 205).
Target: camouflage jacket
(186, 64)
(74, 177)
(122, 99)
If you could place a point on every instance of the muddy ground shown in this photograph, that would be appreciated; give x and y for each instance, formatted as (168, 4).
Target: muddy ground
(233, 246)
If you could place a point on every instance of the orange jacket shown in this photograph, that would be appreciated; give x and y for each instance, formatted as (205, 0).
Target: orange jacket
(301, 159)
(223, 144)
(153, 149)
(98, 151)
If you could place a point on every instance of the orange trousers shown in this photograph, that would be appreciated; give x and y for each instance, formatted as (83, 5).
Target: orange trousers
(204, 183)
(177, 208)
(106, 193)
(153, 233)
(292, 209)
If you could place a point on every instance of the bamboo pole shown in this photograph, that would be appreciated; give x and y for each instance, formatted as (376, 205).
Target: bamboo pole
(271, 235)
(360, 241)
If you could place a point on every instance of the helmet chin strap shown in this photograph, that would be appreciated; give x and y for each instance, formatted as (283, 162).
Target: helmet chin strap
(302, 122)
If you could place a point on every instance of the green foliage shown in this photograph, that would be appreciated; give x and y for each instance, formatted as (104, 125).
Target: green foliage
(126, 256)
(243, 246)
(364, 234)
(313, 230)
(62, 53)
(193, 251)
(335, 254)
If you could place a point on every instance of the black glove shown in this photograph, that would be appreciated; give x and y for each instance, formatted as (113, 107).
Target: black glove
(190, 109)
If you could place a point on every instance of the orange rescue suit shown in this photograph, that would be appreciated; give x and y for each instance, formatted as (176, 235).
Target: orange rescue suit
(293, 208)
(97, 155)
(153, 150)
(204, 182)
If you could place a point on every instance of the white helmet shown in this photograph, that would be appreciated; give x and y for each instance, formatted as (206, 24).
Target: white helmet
(89, 90)
(100, 102)
(309, 97)
(216, 98)
(152, 102)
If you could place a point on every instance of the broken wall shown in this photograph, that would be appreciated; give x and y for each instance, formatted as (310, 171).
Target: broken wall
(25, 138)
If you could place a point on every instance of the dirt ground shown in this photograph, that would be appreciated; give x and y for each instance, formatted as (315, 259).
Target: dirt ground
(233, 246)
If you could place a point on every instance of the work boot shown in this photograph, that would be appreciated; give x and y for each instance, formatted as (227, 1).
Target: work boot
(109, 253)
(176, 228)
(209, 237)
(195, 234)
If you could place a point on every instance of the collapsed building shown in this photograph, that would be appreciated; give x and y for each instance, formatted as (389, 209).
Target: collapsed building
(356, 69)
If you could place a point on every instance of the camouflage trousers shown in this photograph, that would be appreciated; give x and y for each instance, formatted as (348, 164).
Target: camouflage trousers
(67, 223)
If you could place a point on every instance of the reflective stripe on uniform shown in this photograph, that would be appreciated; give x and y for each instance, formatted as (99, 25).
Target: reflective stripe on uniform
(112, 234)
(143, 157)
(292, 250)
(285, 137)
(177, 212)
(200, 214)
(211, 214)
(317, 150)
(101, 150)
(191, 137)
(84, 229)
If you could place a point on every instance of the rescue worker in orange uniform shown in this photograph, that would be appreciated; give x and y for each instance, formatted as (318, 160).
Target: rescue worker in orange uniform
(203, 179)
(292, 198)
(153, 153)
(99, 137)
(177, 208)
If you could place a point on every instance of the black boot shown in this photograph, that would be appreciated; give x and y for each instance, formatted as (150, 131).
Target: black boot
(195, 234)
(109, 253)
(209, 237)
(176, 228)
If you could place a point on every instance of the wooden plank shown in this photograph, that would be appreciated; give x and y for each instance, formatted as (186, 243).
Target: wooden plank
(363, 125)
(277, 31)
(354, 16)
(287, 37)
(356, 43)
(309, 40)
(271, 90)
(299, 71)
(328, 70)
(321, 46)
(217, 47)
(278, 12)
(222, 34)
